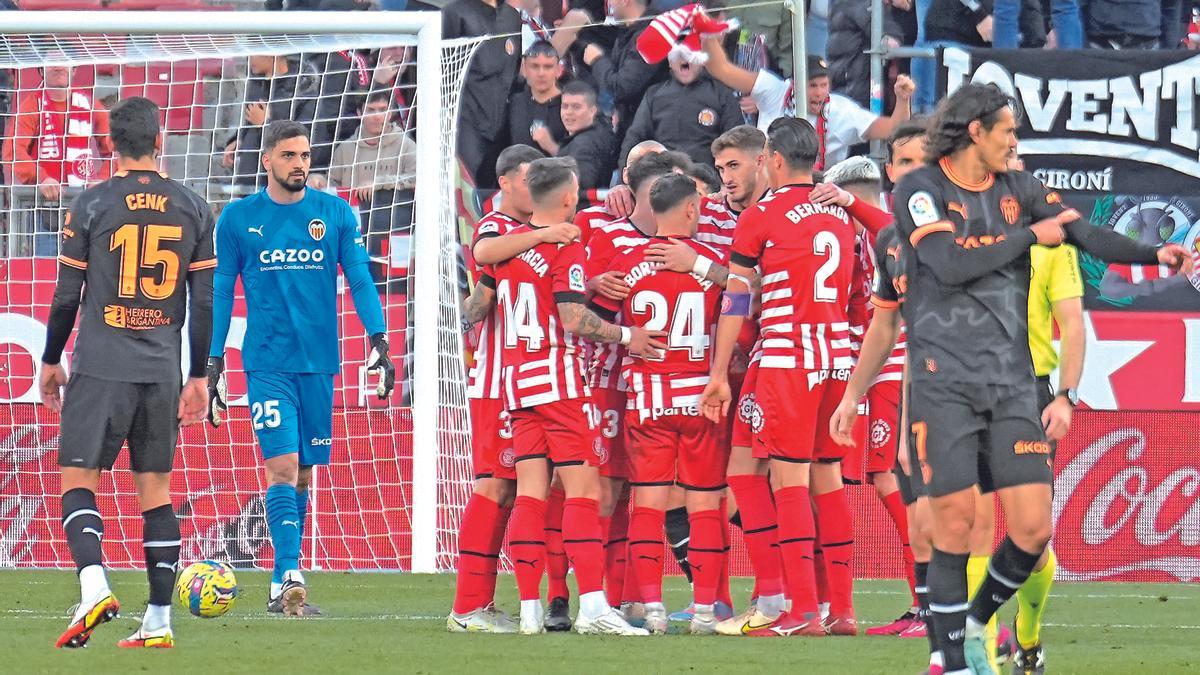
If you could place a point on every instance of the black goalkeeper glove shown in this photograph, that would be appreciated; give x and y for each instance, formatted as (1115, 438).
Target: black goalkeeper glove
(217, 390)
(379, 360)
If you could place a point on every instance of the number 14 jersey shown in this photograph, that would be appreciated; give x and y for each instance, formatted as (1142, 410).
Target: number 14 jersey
(540, 360)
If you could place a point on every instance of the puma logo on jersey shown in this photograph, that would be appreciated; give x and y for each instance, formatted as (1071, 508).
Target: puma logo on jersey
(256, 230)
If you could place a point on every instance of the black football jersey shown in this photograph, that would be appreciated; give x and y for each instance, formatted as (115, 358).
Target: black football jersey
(976, 331)
(890, 277)
(137, 236)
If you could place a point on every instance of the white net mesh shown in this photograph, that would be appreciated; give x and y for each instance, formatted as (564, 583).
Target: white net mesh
(358, 95)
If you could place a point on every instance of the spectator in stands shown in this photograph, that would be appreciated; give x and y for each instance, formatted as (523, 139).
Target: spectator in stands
(849, 44)
(1012, 24)
(345, 80)
(1133, 24)
(279, 88)
(533, 29)
(591, 141)
(484, 110)
(394, 72)
(534, 115)
(840, 123)
(773, 21)
(6, 86)
(378, 166)
(59, 139)
(686, 113)
(621, 71)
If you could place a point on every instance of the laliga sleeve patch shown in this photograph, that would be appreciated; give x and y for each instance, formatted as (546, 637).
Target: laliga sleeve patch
(921, 208)
(575, 279)
(488, 227)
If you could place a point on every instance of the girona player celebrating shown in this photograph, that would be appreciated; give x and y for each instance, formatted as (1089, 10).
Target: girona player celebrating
(481, 533)
(542, 317)
(805, 252)
(670, 442)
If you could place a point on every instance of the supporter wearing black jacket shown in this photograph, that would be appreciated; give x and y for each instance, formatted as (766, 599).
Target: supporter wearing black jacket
(1132, 24)
(685, 113)
(490, 78)
(535, 113)
(849, 40)
(591, 141)
(622, 72)
(279, 88)
(959, 20)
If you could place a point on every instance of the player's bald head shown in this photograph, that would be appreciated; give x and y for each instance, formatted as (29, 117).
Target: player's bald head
(641, 150)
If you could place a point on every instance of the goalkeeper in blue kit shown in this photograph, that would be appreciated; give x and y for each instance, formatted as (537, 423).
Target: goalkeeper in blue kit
(286, 243)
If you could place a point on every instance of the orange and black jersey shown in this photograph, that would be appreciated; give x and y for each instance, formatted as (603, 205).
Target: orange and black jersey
(133, 241)
(968, 269)
(890, 275)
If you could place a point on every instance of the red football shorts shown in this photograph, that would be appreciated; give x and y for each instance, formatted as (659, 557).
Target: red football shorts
(789, 416)
(856, 457)
(561, 432)
(492, 453)
(741, 410)
(610, 407)
(884, 398)
(675, 449)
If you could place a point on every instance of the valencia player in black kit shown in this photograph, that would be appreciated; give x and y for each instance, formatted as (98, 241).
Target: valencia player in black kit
(141, 247)
(966, 224)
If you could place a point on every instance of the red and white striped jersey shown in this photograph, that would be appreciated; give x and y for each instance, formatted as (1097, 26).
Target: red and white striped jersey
(484, 378)
(683, 305)
(717, 222)
(540, 360)
(861, 285)
(606, 243)
(805, 252)
(591, 219)
(1136, 274)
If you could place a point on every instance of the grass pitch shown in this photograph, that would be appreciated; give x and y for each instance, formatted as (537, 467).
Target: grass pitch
(396, 623)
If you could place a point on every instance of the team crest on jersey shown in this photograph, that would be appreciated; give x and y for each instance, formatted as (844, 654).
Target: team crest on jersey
(1011, 209)
(881, 433)
(508, 457)
(921, 208)
(316, 229)
(510, 47)
(707, 117)
(575, 280)
(600, 449)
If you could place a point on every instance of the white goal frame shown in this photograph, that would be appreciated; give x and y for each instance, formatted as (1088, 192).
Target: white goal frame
(433, 163)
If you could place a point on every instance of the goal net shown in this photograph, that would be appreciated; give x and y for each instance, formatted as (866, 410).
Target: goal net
(380, 95)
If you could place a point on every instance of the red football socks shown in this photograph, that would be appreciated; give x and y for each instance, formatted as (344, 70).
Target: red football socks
(723, 594)
(494, 548)
(476, 561)
(528, 545)
(556, 557)
(615, 529)
(646, 550)
(581, 540)
(797, 532)
(760, 531)
(895, 508)
(837, 539)
(706, 553)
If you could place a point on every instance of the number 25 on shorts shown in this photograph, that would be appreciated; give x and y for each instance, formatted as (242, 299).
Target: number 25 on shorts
(265, 414)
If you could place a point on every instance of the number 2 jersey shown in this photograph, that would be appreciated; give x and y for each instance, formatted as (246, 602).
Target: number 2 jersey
(685, 307)
(137, 236)
(806, 254)
(540, 360)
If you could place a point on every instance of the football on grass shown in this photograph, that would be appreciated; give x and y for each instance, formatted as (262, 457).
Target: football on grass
(207, 588)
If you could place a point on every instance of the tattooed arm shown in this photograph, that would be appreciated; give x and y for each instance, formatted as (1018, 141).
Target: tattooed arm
(585, 323)
(479, 303)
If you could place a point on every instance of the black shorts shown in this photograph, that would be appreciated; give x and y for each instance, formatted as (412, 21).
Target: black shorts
(98, 416)
(969, 434)
(1046, 396)
(912, 487)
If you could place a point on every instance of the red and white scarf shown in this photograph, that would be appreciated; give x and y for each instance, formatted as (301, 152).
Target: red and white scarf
(69, 155)
(821, 125)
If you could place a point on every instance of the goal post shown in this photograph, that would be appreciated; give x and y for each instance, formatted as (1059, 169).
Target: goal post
(428, 413)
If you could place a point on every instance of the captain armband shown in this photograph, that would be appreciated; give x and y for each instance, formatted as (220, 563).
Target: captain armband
(736, 304)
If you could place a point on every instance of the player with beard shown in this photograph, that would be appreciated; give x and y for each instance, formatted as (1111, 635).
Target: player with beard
(967, 224)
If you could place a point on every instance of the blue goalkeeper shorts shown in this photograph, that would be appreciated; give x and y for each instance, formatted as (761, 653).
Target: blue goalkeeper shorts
(292, 412)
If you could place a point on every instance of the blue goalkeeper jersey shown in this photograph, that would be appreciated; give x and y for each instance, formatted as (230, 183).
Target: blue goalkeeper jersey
(287, 256)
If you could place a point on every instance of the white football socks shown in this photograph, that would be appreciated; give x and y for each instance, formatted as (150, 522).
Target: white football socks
(771, 605)
(276, 589)
(93, 584)
(593, 604)
(157, 617)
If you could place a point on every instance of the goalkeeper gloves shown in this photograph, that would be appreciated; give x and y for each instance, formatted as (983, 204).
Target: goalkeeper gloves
(217, 390)
(380, 361)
